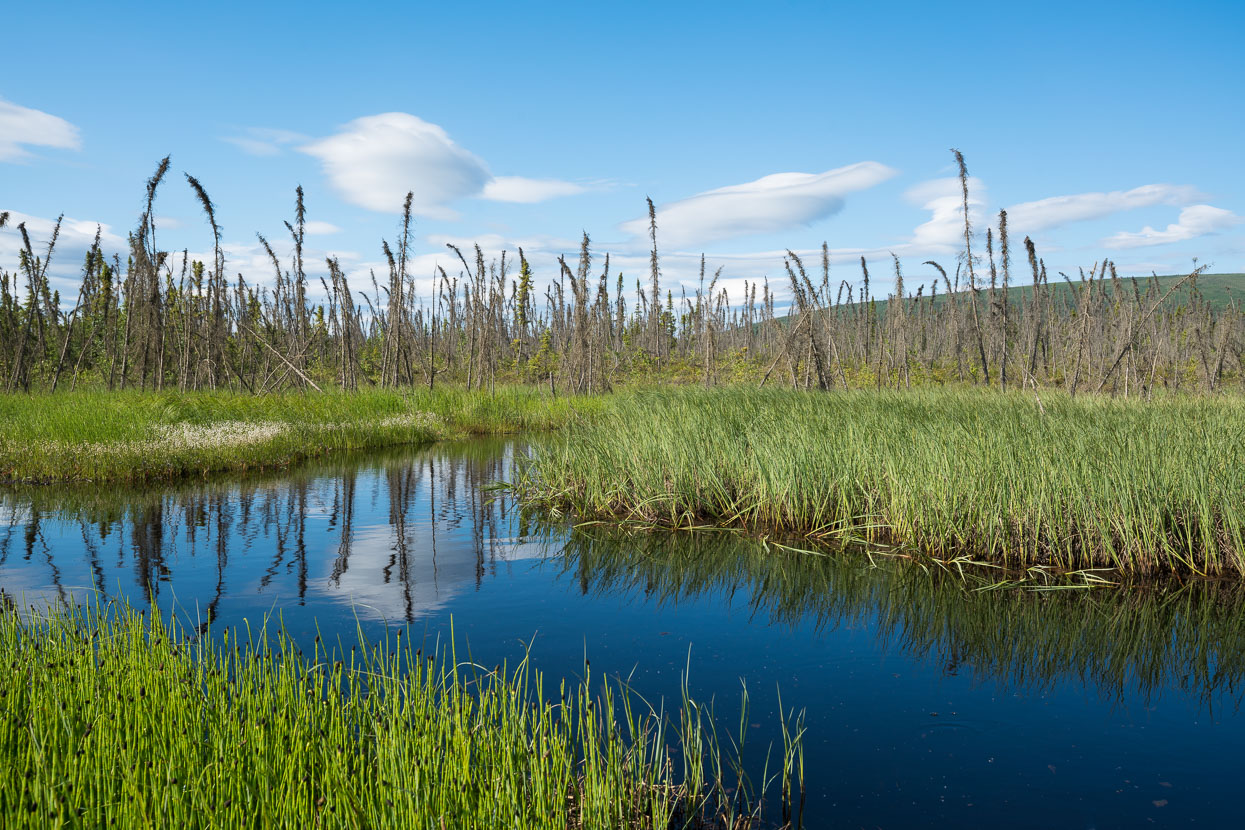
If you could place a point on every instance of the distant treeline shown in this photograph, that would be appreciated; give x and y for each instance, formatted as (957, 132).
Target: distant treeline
(161, 320)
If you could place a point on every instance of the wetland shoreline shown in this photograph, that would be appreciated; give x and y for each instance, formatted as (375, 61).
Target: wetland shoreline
(1069, 484)
(420, 535)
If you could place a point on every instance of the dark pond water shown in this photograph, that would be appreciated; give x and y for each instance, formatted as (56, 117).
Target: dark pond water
(928, 704)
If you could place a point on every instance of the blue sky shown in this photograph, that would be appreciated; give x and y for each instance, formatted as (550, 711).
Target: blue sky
(1107, 130)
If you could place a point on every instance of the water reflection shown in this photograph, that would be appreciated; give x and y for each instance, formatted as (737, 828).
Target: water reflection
(1144, 639)
(929, 703)
(392, 537)
(398, 537)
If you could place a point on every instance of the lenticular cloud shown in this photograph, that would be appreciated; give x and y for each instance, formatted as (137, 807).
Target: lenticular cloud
(770, 204)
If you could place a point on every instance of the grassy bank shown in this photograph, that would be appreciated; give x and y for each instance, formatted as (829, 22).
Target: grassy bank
(147, 436)
(1081, 483)
(120, 720)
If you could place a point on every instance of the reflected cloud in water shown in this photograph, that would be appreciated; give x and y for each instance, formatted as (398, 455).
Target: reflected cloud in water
(392, 538)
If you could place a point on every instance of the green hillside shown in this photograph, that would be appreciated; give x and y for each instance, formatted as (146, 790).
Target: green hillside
(1217, 289)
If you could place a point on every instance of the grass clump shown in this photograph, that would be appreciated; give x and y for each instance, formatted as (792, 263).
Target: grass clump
(1070, 483)
(111, 718)
(146, 436)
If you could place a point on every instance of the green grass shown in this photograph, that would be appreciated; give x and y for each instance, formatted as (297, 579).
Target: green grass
(108, 718)
(146, 436)
(1093, 482)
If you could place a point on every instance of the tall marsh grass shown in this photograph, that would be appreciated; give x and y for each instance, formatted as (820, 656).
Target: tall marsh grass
(110, 718)
(1068, 483)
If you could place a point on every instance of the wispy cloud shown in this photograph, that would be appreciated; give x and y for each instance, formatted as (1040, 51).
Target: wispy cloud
(528, 191)
(265, 141)
(944, 232)
(772, 203)
(22, 127)
(375, 161)
(1056, 211)
(1194, 221)
(317, 228)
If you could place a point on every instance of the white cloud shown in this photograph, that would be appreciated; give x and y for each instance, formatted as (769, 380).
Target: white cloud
(253, 262)
(944, 199)
(375, 161)
(772, 203)
(76, 238)
(73, 231)
(1194, 221)
(944, 232)
(317, 228)
(24, 126)
(528, 191)
(265, 141)
(1053, 212)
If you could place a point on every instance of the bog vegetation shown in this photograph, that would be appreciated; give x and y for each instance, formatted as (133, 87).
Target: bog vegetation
(1071, 484)
(156, 319)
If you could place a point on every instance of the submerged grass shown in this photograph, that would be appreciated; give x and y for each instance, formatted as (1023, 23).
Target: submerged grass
(147, 436)
(112, 718)
(1067, 483)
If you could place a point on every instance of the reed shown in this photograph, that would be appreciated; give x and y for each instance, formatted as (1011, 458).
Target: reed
(113, 718)
(1059, 482)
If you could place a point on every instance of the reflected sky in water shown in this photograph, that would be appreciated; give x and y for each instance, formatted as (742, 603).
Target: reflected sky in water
(929, 704)
(382, 540)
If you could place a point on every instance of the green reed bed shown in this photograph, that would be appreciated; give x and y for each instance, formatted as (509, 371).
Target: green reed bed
(110, 718)
(146, 436)
(1070, 483)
